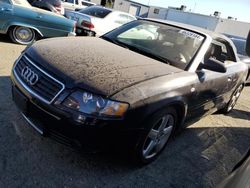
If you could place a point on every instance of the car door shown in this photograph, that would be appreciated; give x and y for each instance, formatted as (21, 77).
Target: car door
(213, 89)
(6, 14)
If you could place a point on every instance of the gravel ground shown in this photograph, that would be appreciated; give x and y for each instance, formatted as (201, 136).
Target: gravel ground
(200, 156)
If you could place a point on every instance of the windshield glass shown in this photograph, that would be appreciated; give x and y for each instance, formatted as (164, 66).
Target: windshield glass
(98, 12)
(169, 44)
(21, 2)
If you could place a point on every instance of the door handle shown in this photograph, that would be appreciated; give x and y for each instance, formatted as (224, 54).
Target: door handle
(229, 78)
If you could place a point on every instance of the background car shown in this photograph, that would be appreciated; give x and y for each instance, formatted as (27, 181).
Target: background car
(50, 5)
(240, 44)
(240, 176)
(76, 4)
(133, 93)
(24, 23)
(97, 20)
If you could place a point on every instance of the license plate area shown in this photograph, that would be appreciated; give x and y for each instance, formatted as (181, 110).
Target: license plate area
(20, 100)
(22, 103)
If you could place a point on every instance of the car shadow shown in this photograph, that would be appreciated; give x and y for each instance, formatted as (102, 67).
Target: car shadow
(197, 157)
(5, 38)
(240, 114)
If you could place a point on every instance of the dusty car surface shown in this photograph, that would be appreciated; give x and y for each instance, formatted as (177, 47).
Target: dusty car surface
(24, 23)
(97, 20)
(128, 92)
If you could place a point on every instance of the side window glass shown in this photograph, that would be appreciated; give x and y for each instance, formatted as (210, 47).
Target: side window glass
(221, 51)
(227, 53)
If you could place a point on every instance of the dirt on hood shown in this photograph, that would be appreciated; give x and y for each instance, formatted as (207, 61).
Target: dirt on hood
(96, 64)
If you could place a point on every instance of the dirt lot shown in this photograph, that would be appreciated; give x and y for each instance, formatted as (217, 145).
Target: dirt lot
(201, 156)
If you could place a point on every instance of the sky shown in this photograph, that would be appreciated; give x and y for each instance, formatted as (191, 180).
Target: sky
(239, 9)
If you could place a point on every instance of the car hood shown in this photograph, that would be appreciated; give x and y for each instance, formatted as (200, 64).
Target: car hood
(95, 64)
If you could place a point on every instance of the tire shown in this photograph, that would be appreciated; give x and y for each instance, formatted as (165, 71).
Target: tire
(22, 35)
(159, 129)
(232, 102)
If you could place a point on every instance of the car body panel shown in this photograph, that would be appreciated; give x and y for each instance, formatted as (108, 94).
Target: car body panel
(239, 178)
(47, 24)
(145, 83)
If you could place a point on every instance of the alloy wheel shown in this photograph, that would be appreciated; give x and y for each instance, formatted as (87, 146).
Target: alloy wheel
(158, 136)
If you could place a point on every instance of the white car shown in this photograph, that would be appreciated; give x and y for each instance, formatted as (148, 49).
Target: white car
(76, 4)
(97, 20)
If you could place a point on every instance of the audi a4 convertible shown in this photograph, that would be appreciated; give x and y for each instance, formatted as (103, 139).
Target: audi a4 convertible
(124, 90)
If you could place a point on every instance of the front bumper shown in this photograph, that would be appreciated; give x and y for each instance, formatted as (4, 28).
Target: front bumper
(48, 120)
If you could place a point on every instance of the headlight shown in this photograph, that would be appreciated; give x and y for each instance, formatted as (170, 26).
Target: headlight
(92, 104)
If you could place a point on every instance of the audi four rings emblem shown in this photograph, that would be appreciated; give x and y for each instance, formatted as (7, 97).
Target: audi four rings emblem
(29, 76)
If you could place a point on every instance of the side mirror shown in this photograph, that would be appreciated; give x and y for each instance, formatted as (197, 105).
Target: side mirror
(213, 65)
(248, 44)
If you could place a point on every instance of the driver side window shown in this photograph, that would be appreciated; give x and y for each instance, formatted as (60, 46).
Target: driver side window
(221, 51)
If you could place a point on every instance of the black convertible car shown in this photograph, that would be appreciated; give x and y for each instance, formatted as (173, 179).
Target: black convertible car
(133, 87)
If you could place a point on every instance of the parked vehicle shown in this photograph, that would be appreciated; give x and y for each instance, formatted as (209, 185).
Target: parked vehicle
(24, 23)
(240, 44)
(239, 178)
(50, 5)
(76, 4)
(130, 92)
(97, 20)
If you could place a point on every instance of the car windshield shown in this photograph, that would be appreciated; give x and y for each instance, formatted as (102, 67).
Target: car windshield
(98, 12)
(240, 44)
(169, 44)
(21, 2)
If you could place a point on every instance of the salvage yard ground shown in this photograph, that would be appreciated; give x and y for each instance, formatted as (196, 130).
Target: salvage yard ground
(200, 156)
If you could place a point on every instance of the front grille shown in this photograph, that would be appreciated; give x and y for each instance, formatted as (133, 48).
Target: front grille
(47, 88)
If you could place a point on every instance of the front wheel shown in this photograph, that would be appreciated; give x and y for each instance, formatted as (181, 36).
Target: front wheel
(234, 98)
(22, 35)
(160, 128)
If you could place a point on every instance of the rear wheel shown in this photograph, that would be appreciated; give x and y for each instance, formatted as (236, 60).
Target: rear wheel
(160, 128)
(230, 105)
(22, 35)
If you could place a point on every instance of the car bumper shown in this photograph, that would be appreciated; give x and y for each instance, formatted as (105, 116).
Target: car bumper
(92, 135)
(72, 34)
(84, 32)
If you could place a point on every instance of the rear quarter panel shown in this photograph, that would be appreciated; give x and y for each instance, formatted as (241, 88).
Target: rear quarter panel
(46, 23)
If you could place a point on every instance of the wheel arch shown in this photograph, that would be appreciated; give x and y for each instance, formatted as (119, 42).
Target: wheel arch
(14, 24)
(177, 103)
